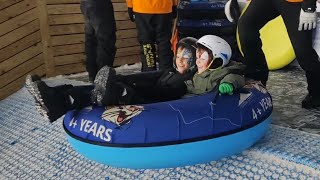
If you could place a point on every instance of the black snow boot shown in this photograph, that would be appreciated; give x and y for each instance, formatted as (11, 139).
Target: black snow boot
(51, 102)
(310, 102)
(102, 84)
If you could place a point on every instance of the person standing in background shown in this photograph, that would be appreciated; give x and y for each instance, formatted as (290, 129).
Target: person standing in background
(100, 35)
(300, 19)
(153, 20)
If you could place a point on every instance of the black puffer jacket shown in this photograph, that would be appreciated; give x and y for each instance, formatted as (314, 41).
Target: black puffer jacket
(156, 86)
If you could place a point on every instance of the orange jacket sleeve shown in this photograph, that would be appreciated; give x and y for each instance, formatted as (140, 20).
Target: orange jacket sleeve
(151, 6)
(174, 2)
(129, 3)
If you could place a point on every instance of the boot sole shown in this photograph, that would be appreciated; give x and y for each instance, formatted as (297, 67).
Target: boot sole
(100, 83)
(33, 89)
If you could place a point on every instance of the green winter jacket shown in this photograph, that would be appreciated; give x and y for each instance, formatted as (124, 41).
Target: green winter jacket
(211, 78)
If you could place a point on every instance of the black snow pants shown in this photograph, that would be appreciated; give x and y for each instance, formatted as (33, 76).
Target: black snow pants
(100, 34)
(154, 29)
(260, 12)
(140, 88)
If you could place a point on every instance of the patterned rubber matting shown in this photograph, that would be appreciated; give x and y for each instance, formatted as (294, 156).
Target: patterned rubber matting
(288, 88)
(31, 148)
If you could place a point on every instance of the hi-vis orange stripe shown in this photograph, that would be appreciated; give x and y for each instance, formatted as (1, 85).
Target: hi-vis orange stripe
(294, 0)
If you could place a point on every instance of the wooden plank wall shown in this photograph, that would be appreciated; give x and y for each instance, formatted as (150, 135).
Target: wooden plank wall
(20, 44)
(66, 36)
(46, 37)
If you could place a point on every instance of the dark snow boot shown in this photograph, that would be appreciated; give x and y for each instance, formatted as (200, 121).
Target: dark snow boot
(310, 102)
(33, 78)
(51, 102)
(127, 95)
(81, 96)
(102, 84)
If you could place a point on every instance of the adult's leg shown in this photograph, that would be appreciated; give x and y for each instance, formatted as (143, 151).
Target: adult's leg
(305, 54)
(163, 26)
(103, 22)
(146, 39)
(90, 40)
(257, 14)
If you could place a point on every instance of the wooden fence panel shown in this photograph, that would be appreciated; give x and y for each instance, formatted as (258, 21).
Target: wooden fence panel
(7, 3)
(66, 29)
(70, 59)
(20, 58)
(46, 37)
(64, 9)
(66, 34)
(19, 33)
(67, 39)
(18, 21)
(19, 45)
(21, 70)
(63, 1)
(76, 1)
(128, 42)
(71, 68)
(18, 83)
(65, 19)
(76, 28)
(16, 10)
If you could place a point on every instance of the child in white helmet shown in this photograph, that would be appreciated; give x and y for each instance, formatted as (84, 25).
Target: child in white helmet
(215, 70)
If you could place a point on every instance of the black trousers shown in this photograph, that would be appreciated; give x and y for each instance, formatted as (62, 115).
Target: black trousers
(154, 29)
(100, 34)
(260, 12)
(141, 88)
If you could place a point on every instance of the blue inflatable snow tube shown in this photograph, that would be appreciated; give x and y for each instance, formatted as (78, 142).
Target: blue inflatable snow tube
(176, 133)
(202, 9)
(198, 28)
(205, 23)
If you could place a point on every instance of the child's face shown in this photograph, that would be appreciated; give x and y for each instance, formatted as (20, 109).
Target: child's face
(182, 60)
(203, 59)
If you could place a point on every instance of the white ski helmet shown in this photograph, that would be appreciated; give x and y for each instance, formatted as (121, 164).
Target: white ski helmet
(219, 48)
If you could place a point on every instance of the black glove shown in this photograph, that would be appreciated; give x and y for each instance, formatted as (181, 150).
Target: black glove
(131, 15)
(309, 6)
(174, 12)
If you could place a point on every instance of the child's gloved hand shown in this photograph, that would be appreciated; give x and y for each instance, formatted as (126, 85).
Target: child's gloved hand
(226, 88)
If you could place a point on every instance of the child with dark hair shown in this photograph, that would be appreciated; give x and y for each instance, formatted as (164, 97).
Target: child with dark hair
(112, 89)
